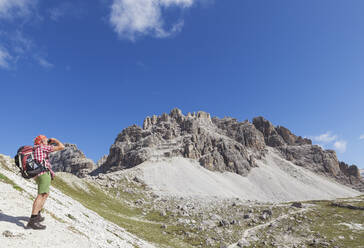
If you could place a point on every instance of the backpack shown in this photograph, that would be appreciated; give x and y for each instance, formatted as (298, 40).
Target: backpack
(24, 159)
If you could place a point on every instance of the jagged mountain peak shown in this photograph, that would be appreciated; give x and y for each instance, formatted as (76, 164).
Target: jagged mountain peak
(221, 144)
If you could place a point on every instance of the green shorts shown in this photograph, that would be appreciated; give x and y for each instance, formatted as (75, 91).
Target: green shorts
(43, 181)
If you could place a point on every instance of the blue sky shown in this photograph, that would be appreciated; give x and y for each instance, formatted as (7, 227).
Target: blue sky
(82, 71)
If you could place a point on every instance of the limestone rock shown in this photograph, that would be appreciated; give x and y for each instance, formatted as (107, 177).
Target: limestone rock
(278, 136)
(297, 204)
(101, 161)
(218, 144)
(71, 160)
(300, 151)
(221, 145)
(323, 162)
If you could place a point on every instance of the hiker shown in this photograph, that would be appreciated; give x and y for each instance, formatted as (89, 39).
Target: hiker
(42, 147)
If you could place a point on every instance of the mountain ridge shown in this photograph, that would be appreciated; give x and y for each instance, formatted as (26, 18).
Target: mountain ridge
(221, 144)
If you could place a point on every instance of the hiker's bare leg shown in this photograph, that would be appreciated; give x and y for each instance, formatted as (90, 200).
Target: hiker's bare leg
(39, 203)
(45, 196)
(34, 220)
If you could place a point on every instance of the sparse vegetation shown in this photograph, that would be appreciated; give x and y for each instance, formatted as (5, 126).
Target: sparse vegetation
(3, 163)
(120, 213)
(55, 217)
(5, 179)
(71, 216)
(332, 223)
(75, 230)
(177, 223)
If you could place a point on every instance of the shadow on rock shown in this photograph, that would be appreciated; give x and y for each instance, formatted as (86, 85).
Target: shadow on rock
(16, 220)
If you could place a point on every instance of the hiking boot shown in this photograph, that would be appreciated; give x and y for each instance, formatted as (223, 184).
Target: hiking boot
(39, 218)
(34, 224)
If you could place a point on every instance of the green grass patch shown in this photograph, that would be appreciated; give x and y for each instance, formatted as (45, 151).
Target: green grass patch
(157, 217)
(121, 214)
(327, 220)
(5, 179)
(55, 217)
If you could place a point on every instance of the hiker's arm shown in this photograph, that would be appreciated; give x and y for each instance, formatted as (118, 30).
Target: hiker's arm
(59, 146)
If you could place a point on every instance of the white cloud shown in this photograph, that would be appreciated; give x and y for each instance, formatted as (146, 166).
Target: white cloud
(325, 138)
(4, 58)
(329, 140)
(133, 18)
(361, 137)
(43, 62)
(56, 13)
(15, 8)
(16, 46)
(72, 9)
(340, 146)
(20, 43)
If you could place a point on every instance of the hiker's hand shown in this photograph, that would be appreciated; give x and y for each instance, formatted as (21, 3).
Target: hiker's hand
(55, 141)
(59, 146)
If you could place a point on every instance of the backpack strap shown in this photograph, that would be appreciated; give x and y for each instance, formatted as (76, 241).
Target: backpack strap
(43, 161)
(20, 162)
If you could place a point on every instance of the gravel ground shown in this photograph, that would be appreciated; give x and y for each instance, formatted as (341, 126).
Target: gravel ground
(275, 180)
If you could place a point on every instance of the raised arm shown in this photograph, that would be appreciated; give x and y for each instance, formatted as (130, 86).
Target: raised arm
(59, 146)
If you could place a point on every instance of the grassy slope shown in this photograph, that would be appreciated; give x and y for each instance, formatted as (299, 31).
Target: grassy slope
(320, 222)
(327, 221)
(121, 214)
(5, 179)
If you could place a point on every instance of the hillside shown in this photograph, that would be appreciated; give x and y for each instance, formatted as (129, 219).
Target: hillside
(69, 223)
(119, 209)
(273, 180)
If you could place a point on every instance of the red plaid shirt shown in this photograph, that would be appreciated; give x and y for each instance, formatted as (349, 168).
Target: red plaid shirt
(41, 154)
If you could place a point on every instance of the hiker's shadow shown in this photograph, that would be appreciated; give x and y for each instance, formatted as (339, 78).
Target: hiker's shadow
(15, 220)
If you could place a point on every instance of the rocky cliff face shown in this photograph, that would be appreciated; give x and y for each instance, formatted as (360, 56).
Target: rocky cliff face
(301, 152)
(221, 145)
(71, 160)
(194, 136)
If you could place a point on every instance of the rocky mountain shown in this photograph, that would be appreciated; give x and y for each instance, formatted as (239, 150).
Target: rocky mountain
(221, 144)
(313, 157)
(362, 172)
(101, 161)
(194, 136)
(71, 160)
